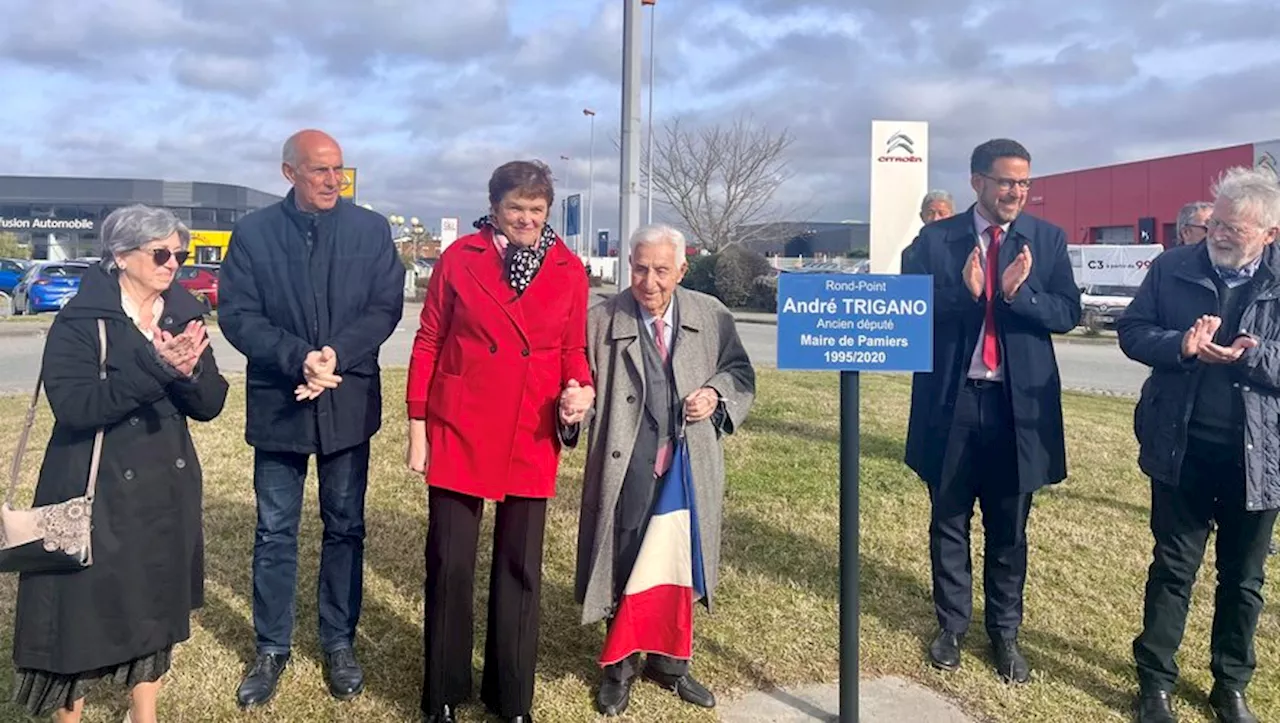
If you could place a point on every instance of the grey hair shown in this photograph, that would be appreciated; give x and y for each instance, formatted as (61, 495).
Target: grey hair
(289, 154)
(1187, 213)
(932, 196)
(128, 228)
(656, 233)
(1255, 189)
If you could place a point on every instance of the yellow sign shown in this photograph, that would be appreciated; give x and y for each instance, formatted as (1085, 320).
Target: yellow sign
(348, 183)
(208, 247)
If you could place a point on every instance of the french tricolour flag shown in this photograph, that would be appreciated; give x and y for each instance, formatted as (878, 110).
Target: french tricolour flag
(655, 614)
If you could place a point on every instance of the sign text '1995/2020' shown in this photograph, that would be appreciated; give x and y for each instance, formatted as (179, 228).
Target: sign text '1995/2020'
(856, 357)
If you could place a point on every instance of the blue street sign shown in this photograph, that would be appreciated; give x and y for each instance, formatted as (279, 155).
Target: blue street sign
(855, 322)
(573, 215)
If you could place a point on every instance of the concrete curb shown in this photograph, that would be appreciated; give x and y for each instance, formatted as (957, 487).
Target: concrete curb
(881, 700)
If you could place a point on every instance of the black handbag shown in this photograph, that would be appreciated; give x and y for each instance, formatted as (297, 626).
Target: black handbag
(56, 537)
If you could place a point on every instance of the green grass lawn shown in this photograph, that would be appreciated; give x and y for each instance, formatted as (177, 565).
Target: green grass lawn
(776, 623)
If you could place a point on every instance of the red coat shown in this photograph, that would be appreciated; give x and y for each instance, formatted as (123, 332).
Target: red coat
(488, 367)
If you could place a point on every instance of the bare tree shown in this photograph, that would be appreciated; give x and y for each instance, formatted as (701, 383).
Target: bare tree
(721, 180)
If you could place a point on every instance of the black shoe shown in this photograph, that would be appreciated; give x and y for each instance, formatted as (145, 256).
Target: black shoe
(259, 684)
(1154, 707)
(614, 696)
(1230, 706)
(689, 690)
(346, 679)
(944, 651)
(444, 715)
(1010, 663)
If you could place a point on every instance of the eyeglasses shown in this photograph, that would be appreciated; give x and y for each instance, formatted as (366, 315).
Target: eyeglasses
(162, 256)
(323, 173)
(1216, 226)
(1007, 184)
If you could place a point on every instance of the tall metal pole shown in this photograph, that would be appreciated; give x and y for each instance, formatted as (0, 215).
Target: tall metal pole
(849, 562)
(591, 181)
(648, 164)
(629, 186)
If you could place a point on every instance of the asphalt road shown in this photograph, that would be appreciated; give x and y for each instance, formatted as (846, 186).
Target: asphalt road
(1084, 366)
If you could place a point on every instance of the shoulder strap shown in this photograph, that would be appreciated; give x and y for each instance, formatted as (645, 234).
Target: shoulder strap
(15, 469)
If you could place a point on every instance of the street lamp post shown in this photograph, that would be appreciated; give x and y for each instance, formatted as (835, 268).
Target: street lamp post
(591, 178)
(564, 215)
(648, 164)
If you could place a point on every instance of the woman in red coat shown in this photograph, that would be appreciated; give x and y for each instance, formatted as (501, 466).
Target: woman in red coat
(498, 373)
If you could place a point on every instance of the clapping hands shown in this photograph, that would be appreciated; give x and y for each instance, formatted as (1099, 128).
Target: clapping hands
(1198, 343)
(183, 351)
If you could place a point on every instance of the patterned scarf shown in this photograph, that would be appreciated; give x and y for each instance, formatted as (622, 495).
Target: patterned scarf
(522, 263)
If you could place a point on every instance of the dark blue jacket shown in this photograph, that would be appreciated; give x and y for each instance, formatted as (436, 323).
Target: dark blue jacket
(1178, 290)
(1047, 303)
(292, 283)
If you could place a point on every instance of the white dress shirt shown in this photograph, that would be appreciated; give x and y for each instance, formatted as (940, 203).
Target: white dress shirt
(668, 317)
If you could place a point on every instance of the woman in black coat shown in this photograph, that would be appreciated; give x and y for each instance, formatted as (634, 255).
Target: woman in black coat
(120, 618)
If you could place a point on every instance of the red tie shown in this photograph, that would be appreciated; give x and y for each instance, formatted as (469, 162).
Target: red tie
(990, 344)
(663, 461)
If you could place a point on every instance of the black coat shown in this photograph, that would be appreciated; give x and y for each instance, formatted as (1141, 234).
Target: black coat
(1047, 303)
(284, 294)
(1178, 290)
(148, 545)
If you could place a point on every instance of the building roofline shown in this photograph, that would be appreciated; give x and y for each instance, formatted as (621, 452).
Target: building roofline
(116, 179)
(1150, 159)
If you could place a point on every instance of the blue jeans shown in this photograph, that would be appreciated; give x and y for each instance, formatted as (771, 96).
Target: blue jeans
(278, 479)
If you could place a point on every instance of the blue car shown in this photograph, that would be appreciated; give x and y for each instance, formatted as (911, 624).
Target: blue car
(47, 286)
(11, 270)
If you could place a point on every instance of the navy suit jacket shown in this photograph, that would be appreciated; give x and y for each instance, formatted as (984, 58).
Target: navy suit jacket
(1047, 303)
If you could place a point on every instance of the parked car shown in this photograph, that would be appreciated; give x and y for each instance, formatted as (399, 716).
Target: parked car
(202, 281)
(1102, 305)
(47, 286)
(11, 271)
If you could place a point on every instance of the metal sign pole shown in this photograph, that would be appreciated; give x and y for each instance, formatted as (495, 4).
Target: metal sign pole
(849, 561)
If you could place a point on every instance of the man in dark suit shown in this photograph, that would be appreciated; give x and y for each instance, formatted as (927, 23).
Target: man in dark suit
(986, 423)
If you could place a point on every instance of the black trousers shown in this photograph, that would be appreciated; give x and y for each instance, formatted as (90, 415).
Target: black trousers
(981, 465)
(515, 586)
(1211, 489)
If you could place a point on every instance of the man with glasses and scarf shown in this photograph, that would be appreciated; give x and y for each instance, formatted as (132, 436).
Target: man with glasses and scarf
(986, 423)
(311, 288)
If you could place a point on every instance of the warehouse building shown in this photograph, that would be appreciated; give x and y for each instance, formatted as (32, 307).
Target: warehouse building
(59, 218)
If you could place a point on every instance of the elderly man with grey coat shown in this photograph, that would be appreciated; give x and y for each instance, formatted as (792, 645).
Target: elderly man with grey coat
(668, 365)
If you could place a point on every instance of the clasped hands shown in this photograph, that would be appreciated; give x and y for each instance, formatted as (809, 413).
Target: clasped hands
(183, 351)
(575, 400)
(1012, 279)
(319, 369)
(1198, 343)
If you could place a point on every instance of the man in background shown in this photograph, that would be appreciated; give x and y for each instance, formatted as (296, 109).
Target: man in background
(936, 206)
(1193, 222)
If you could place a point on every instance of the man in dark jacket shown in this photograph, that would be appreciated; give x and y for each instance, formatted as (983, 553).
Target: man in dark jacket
(311, 288)
(1207, 322)
(986, 423)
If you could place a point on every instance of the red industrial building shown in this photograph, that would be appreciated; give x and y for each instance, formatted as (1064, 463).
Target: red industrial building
(1137, 202)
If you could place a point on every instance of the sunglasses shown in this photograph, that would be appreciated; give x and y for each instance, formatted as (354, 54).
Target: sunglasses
(162, 256)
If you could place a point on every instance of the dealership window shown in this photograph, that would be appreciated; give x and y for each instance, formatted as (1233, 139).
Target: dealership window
(1113, 235)
(15, 211)
(183, 214)
(67, 212)
(41, 211)
(203, 216)
(226, 215)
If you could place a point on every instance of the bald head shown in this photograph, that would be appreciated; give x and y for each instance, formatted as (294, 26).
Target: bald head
(312, 162)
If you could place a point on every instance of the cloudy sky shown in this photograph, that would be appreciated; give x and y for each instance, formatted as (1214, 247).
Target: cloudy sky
(428, 96)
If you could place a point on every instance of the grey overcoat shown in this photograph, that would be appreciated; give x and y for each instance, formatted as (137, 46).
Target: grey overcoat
(706, 352)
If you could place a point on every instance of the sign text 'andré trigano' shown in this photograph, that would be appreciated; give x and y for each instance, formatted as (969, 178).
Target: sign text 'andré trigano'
(855, 322)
